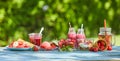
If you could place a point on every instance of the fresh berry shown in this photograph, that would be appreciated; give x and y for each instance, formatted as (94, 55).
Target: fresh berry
(102, 43)
(109, 48)
(91, 49)
(35, 48)
(101, 48)
(99, 44)
(95, 49)
(60, 44)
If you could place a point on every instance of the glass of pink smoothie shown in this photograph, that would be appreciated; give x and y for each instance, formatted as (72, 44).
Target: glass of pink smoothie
(71, 33)
(35, 38)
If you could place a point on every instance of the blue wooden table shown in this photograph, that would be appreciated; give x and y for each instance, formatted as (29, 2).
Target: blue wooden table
(7, 55)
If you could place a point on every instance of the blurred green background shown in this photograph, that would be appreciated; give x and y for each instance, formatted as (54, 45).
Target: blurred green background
(18, 18)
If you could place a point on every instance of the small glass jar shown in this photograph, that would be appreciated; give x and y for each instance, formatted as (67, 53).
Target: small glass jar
(105, 34)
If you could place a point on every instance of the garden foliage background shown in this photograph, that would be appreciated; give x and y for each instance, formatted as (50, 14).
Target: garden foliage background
(18, 18)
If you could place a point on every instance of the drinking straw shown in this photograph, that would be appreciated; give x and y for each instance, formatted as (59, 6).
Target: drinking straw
(41, 30)
(105, 24)
(105, 29)
(81, 26)
(69, 24)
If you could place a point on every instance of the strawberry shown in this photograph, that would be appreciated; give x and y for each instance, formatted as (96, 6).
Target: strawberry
(62, 40)
(60, 44)
(91, 49)
(99, 44)
(95, 49)
(35, 48)
(73, 40)
(109, 48)
(101, 48)
(102, 43)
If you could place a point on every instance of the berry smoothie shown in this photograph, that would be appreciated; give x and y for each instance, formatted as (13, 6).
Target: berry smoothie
(35, 38)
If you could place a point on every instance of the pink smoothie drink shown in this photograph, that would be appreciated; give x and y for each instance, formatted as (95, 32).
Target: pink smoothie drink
(71, 33)
(80, 36)
(71, 36)
(35, 38)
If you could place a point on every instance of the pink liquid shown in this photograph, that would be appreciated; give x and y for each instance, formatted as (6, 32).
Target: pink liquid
(35, 39)
(71, 36)
(80, 36)
(80, 39)
(37, 42)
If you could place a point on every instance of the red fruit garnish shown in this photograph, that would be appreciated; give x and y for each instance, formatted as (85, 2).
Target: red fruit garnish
(62, 40)
(35, 48)
(109, 48)
(60, 44)
(99, 45)
(102, 43)
(95, 49)
(72, 40)
(101, 48)
(91, 49)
